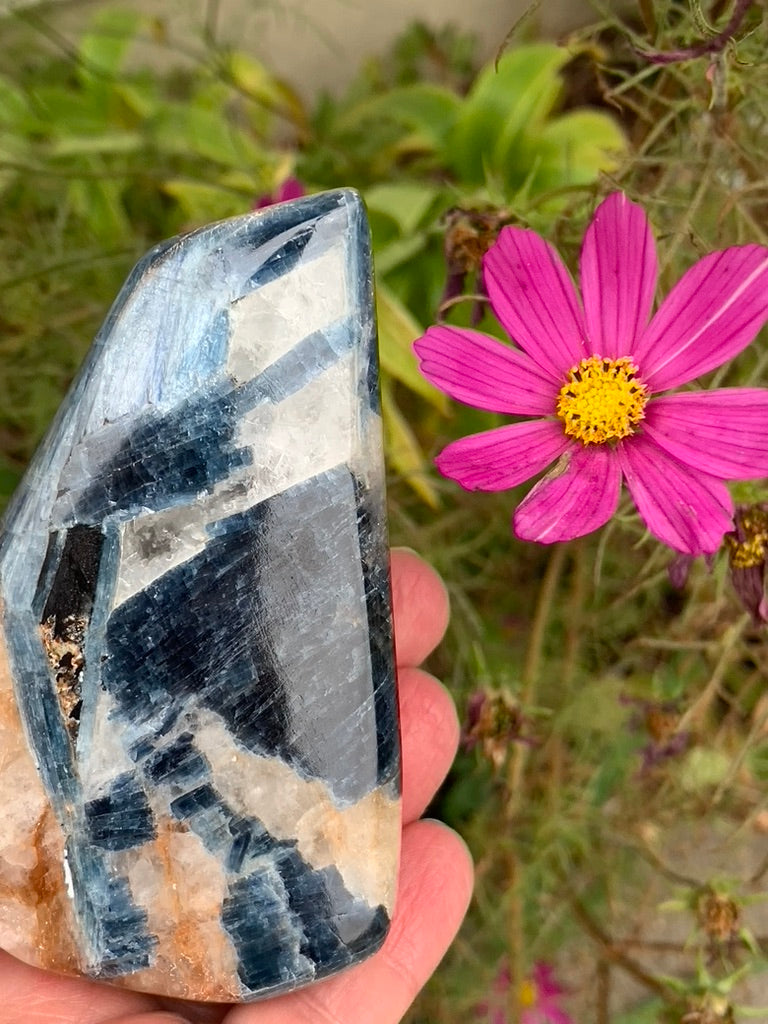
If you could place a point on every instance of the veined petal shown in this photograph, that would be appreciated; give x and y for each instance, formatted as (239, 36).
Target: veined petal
(576, 498)
(498, 459)
(481, 371)
(711, 314)
(723, 433)
(534, 299)
(686, 509)
(618, 270)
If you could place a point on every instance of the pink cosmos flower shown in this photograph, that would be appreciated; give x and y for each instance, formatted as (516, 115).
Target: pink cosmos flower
(591, 372)
(538, 999)
(291, 188)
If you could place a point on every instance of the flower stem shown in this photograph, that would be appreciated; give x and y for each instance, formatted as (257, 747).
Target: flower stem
(729, 651)
(710, 46)
(515, 772)
(531, 670)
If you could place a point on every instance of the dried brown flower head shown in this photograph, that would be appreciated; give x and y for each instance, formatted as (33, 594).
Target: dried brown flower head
(494, 720)
(469, 233)
(718, 916)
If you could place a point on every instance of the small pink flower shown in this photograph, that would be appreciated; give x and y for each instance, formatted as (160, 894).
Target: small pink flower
(591, 372)
(291, 188)
(538, 999)
(544, 998)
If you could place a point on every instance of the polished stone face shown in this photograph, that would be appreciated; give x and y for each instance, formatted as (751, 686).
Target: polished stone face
(199, 761)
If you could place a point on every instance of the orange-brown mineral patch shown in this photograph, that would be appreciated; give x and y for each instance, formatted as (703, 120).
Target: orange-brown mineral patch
(361, 840)
(181, 887)
(36, 923)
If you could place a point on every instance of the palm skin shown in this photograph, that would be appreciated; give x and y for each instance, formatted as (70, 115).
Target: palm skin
(435, 877)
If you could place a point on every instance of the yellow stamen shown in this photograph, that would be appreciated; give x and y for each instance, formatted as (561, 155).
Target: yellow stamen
(602, 400)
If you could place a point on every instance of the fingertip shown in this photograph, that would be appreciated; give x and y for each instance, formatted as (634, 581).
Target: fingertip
(152, 1018)
(430, 737)
(421, 606)
(438, 863)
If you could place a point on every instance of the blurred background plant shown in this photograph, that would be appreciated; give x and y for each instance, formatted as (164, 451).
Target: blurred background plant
(613, 776)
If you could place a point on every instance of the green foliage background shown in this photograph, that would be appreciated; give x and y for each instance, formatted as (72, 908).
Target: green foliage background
(100, 159)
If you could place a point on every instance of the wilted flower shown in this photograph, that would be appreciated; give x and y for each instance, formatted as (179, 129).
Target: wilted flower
(718, 916)
(709, 1009)
(592, 374)
(538, 999)
(469, 233)
(494, 720)
(291, 188)
(660, 721)
(747, 548)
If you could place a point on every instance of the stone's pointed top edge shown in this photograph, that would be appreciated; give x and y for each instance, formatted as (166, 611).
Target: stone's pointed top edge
(272, 220)
(284, 215)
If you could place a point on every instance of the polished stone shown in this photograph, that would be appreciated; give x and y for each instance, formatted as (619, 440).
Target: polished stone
(199, 761)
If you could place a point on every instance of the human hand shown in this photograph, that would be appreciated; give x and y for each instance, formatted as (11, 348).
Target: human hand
(435, 876)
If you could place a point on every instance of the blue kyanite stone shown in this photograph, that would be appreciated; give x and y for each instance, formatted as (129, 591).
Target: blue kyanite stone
(199, 756)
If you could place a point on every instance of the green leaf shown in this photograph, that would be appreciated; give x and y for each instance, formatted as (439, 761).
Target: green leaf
(253, 79)
(505, 103)
(9, 478)
(611, 774)
(403, 451)
(103, 143)
(574, 148)
(194, 131)
(14, 105)
(429, 109)
(397, 332)
(202, 202)
(99, 204)
(104, 46)
(394, 254)
(66, 112)
(140, 98)
(405, 202)
(703, 768)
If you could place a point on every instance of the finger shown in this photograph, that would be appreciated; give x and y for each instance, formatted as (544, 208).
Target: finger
(29, 994)
(150, 1018)
(430, 736)
(435, 887)
(420, 607)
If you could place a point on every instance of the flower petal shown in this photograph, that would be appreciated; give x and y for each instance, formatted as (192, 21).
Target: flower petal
(480, 371)
(618, 276)
(534, 299)
(711, 314)
(498, 459)
(688, 510)
(572, 499)
(723, 433)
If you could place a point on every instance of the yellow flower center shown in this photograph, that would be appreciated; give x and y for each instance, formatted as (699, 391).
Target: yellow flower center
(527, 995)
(602, 400)
(752, 550)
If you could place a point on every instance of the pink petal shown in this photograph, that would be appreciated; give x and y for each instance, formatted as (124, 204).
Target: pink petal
(618, 276)
(686, 509)
(498, 459)
(291, 188)
(573, 499)
(534, 299)
(723, 433)
(711, 314)
(480, 371)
